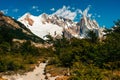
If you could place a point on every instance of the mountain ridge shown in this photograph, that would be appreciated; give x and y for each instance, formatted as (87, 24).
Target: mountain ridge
(55, 26)
(15, 29)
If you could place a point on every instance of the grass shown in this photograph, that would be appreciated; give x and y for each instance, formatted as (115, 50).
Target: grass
(55, 71)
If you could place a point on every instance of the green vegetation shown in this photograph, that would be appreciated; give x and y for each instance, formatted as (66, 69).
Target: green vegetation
(16, 56)
(90, 59)
(86, 59)
(19, 58)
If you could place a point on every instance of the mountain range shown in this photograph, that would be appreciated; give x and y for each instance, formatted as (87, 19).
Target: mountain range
(34, 27)
(56, 26)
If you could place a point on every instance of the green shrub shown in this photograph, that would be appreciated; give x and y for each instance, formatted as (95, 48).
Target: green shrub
(54, 60)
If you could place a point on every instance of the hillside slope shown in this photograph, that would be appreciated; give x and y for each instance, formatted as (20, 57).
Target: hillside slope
(10, 28)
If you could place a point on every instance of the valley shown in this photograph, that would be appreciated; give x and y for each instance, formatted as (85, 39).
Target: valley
(52, 47)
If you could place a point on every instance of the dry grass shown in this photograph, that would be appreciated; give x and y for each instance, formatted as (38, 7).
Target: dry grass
(55, 71)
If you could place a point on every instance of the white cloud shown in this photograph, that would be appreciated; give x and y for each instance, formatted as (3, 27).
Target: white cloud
(37, 10)
(85, 12)
(34, 7)
(15, 10)
(5, 11)
(93, 17)
(68, 7)
(89, 15)
(98, 16)
(52, 9)
(79, 11)
(73, 14)
(66, 13)
(95, 14)
(73, 8)
(13, 17)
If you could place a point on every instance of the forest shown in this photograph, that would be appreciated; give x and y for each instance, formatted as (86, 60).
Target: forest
(90, 58)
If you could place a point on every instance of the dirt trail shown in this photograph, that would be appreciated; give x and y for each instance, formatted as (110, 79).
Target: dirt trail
(36, 74)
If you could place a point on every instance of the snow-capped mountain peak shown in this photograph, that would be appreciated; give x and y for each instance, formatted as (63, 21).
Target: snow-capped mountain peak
(55, 26)
(40, 25)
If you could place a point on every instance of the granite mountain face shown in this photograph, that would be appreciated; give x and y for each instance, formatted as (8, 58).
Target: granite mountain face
(56, 26)
(53, 25)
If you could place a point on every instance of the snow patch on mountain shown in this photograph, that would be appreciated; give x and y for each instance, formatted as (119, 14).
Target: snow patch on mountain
(65, 13)
(39, 27)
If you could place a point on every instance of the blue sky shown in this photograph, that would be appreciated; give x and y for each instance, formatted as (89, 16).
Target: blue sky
(104, 11)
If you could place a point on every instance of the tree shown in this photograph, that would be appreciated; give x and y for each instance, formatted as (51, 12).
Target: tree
(92, 36)
(116, 28)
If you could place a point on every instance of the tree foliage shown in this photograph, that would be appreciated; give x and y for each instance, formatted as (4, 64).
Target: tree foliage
(92, 54)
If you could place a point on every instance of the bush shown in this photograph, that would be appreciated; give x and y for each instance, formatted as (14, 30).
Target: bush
(54, 60)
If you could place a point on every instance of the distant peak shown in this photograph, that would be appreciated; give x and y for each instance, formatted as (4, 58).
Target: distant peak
(44, 14)
(27, 14)
(84, 13)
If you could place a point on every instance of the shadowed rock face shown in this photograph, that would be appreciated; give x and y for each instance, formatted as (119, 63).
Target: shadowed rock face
(30, 21)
